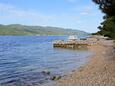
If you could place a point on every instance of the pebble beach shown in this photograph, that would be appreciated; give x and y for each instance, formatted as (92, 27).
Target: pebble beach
(99, 71)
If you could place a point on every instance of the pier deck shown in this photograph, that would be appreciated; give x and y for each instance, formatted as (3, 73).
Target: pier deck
(71, 44)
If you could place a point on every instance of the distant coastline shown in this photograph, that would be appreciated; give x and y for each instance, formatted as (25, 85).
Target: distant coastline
(18, 30)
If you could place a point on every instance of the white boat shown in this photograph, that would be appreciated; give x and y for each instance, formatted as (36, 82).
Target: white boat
(72, 38)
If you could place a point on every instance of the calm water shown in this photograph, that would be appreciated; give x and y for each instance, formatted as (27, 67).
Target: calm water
(23, 58)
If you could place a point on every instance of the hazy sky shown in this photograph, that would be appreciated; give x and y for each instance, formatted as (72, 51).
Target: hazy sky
(76, 14)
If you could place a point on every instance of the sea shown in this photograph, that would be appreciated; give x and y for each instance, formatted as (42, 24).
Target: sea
(24, 60)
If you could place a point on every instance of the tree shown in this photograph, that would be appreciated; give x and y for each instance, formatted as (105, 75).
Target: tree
(107, 27)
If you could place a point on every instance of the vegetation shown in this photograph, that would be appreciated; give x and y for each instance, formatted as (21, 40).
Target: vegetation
(113, 41)
(16, 29)
(107, 27)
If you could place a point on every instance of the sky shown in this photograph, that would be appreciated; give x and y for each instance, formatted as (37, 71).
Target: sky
(75, 14)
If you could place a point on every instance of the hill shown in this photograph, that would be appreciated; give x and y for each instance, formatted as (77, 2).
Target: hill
(17, 29)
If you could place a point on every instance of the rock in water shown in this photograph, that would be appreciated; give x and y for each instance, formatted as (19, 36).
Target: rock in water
(55, 78)
(46, 72)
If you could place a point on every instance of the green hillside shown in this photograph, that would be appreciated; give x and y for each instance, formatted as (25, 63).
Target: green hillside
(17, 29)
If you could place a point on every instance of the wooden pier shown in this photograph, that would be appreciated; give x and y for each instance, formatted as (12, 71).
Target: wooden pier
(70, 44)
(73, 43)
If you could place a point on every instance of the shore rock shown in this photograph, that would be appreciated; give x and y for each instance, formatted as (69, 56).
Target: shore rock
(46, 72)
(55, 77)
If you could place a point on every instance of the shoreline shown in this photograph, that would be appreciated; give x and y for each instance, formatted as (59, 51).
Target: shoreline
(99, 71)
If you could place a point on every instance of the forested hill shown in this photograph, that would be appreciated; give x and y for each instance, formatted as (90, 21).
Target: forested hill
(17, 29)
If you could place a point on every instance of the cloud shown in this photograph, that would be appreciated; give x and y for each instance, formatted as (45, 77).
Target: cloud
(10, 11)
(86, 10)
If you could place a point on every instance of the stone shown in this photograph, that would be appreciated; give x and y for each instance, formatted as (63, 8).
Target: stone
(46, 72)
(55, 77)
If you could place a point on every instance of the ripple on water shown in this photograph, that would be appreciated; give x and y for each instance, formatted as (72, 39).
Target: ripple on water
(23, 58)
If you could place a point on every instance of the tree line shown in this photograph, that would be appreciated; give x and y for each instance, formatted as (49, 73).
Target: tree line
(107, 27)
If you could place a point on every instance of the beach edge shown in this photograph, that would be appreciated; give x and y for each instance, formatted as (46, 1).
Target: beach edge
(99, 71)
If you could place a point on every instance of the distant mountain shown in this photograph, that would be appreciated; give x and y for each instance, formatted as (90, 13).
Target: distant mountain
(17, 29)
